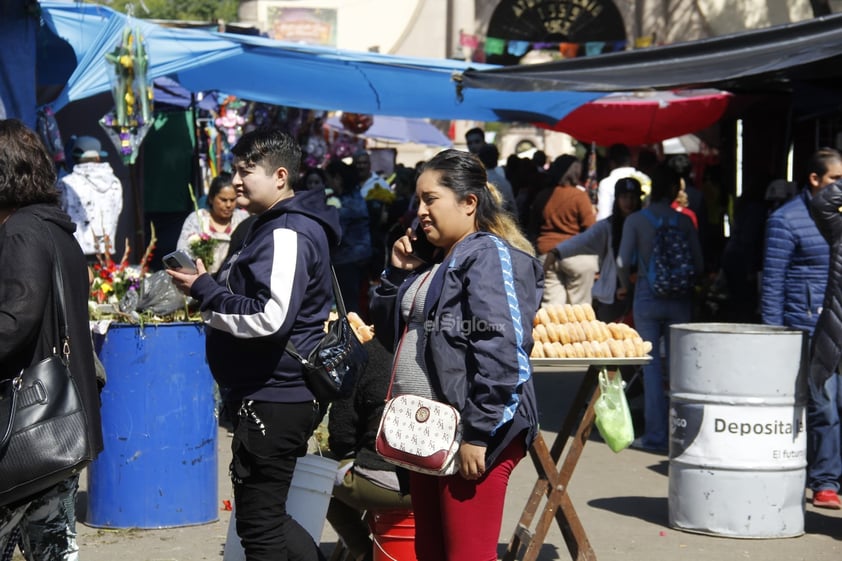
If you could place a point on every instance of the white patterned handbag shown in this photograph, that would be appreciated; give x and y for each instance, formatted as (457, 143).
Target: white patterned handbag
(420, 434)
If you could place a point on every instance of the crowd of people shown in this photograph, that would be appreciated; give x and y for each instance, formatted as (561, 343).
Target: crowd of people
(459, 240)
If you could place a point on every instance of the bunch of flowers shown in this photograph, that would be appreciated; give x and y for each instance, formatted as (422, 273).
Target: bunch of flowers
(202, 246)
(115, 287)
(131, 293)
(113, 281)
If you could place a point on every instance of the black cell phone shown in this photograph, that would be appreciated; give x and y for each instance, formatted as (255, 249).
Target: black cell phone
(421, 246)
(180, 260)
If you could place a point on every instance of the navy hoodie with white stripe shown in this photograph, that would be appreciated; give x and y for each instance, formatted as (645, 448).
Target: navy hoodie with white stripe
(277, 288)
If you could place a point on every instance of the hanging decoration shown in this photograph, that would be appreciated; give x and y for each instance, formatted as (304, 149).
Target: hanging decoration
(311, 137)
(129, 120)
(357, 123)
(230, 119)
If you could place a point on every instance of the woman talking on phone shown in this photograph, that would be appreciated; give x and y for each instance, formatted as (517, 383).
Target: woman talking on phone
(461, 327)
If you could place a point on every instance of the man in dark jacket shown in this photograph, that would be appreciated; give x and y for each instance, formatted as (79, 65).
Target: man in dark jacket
(824, 465)
(35, 234)
(276, 289)
(795, 272)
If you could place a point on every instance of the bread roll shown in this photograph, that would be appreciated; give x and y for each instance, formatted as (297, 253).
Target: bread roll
(579, 312)
(598, 334)
(589, 350)
(537, 350)
(605, 331)
(564, 333)
(617, 348)
(569, 351)
(588, 330)
(571, 332)
(580, 331)
(579, 349)
(590, 315)
(561, 314)
(364, 333)
(606, 350)
(552, 313)
(542, 317)
(647, 348)
(638, 346)
(552, 332)
(568, 310)
(616, 331)
(629, 347)
(549, 350)
(559, 349)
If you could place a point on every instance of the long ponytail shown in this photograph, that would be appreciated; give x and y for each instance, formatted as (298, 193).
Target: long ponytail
(502, 224)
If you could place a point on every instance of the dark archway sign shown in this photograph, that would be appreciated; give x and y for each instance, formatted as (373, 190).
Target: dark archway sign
(554, 21)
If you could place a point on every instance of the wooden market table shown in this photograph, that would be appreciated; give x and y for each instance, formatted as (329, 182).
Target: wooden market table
(553, 479)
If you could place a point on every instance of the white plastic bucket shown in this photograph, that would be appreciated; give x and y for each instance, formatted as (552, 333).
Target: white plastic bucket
(307, 502)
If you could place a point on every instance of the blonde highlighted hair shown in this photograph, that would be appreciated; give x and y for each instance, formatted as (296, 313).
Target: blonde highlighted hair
(503, 225)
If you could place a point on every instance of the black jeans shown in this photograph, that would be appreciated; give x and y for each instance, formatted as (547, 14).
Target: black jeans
(268, 438)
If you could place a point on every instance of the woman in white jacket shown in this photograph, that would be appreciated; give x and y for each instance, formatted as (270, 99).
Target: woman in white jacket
(611, 300)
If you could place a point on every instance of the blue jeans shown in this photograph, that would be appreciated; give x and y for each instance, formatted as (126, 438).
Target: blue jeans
(652, 318)
(824, 462)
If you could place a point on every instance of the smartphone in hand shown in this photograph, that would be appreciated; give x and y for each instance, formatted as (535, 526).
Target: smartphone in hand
(421, 246)
(180, 260)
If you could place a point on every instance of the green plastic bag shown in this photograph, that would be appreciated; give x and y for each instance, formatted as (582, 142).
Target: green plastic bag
(613, 417)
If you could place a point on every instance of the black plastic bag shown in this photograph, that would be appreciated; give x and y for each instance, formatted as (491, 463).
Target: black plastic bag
(159, 295)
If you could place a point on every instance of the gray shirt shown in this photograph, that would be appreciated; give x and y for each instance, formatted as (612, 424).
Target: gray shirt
(411, 376)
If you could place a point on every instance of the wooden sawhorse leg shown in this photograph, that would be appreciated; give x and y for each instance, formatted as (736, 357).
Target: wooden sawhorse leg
(553, 482)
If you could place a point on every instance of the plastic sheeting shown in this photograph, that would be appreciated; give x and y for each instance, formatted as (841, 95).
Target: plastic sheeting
(771, 58)
(281, 73)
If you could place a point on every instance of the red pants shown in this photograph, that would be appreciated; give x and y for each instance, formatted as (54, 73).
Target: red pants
(457, 519)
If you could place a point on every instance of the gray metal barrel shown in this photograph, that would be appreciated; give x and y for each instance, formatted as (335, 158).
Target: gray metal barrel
(738, 444)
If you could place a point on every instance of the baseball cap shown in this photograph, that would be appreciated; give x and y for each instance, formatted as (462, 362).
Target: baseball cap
(627, 185)
(86, 147)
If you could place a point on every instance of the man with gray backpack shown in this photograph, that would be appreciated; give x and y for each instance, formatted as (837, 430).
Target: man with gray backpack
(663, 247)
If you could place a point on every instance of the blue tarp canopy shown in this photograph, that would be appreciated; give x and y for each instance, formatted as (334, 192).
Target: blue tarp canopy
(93, 30)
(282, 73)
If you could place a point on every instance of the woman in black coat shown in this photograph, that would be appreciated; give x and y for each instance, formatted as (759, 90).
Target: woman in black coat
(34, 234)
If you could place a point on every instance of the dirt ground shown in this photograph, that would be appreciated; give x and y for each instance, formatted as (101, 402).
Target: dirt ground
(621, 500)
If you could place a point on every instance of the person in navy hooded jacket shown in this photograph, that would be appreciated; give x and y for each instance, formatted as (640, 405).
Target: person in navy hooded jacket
(460, 319)
(275, 289)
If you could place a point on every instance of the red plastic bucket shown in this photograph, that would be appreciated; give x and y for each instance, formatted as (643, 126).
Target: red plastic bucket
(393, 533)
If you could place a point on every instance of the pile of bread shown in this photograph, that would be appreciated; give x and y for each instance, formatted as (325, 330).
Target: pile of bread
(364, 333)
(572, 331)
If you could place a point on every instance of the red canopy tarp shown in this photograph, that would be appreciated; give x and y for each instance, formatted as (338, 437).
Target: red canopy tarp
(643, 117)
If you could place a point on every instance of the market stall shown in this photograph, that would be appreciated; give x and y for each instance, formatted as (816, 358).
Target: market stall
(569, 340)
(553, 477)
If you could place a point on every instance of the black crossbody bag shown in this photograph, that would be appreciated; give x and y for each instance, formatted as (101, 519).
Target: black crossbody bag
(333, 367)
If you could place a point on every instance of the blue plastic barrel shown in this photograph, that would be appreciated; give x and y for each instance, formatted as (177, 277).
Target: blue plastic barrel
(159, 466)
